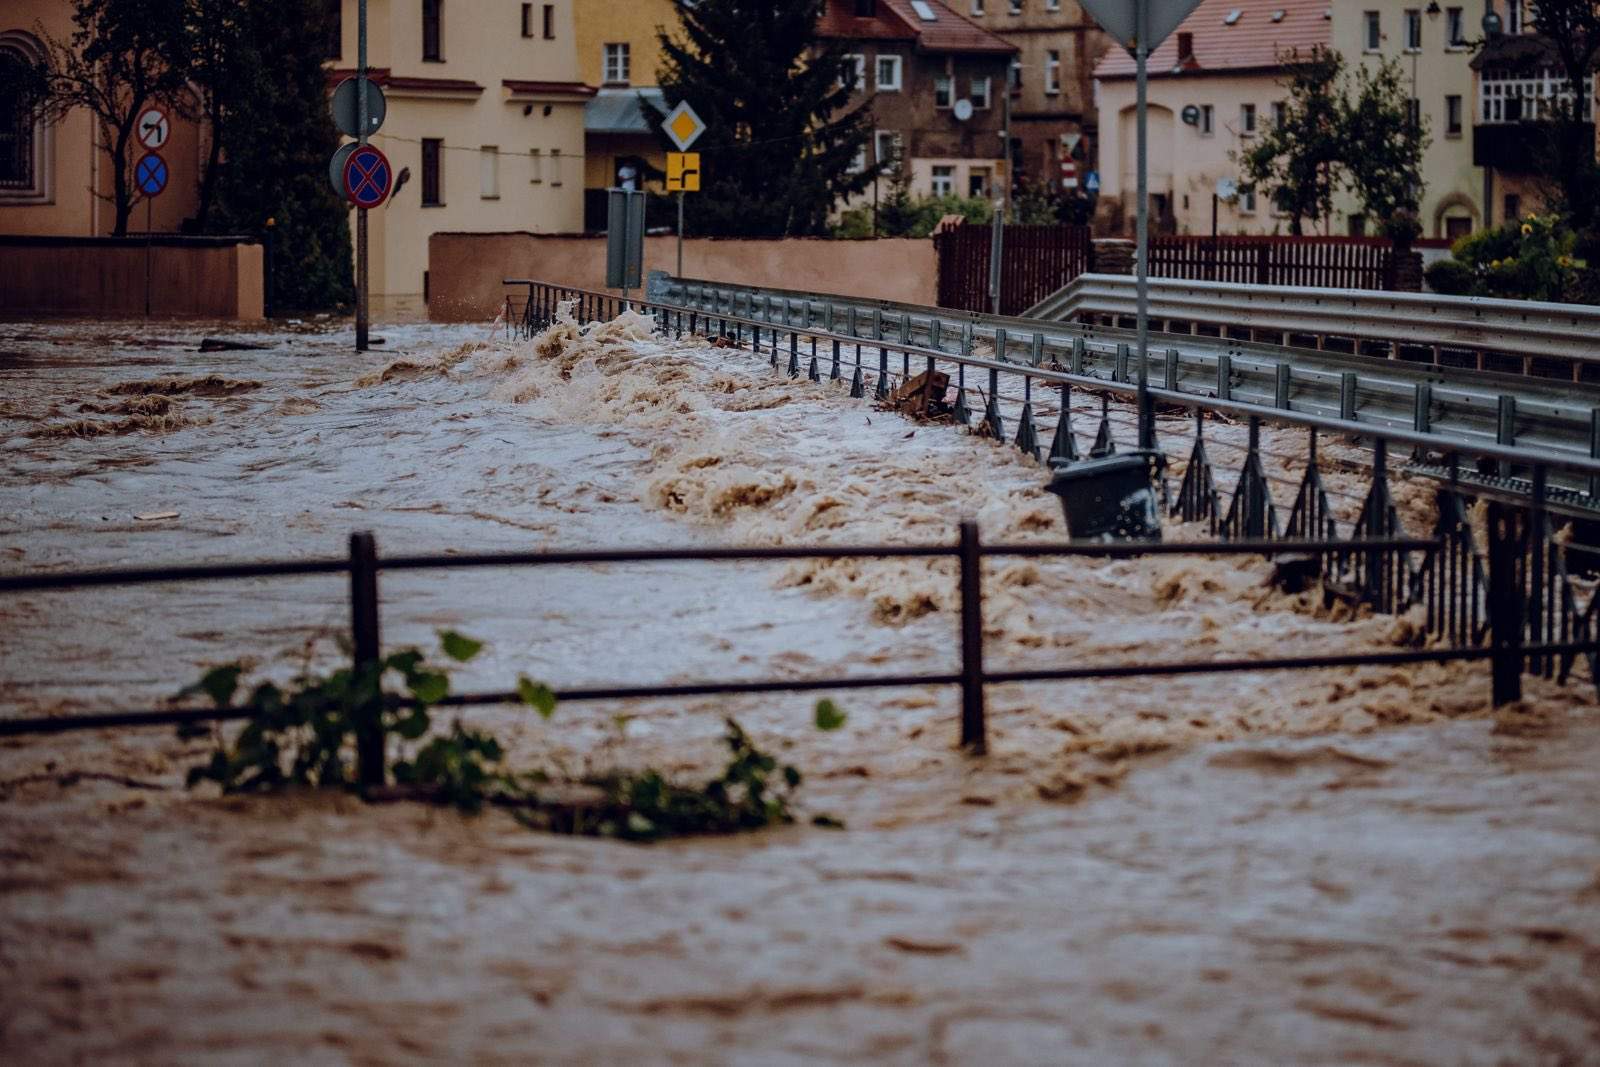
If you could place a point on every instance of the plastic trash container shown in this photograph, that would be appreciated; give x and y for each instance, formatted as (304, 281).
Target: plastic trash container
(1110, 499)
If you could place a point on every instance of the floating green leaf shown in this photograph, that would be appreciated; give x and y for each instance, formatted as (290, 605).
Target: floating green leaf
(459, 648)
(829, 717)
(536, 695)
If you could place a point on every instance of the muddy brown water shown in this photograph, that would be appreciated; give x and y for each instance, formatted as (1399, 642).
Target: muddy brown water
(1327, 867)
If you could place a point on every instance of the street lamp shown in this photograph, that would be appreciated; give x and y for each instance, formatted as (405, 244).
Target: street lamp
(1491, 21)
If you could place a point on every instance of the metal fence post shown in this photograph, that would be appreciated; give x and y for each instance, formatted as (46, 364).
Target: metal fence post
(365, 643)
(1505, 604)
(974, 735)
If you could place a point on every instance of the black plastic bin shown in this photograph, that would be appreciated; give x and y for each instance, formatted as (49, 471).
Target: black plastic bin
(1110, 499)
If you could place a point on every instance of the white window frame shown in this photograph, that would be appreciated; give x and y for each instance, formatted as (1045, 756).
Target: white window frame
(1052, 72)
(1246, 204)
(536, 164)
(40, 188)
(948, 179)
(988, 181)
(894, 85)
(1247, 120)
(1014, 7)
(1052, 5)
(1371, 31)
(616, 63)
(489, 172)
(878, 139)
(1455, 29)
(977, 8)
(946, 82)
(1411, 19)
(987, 83)
(860, 61)
(858, 162)
(1515, 16)
(1280, 113)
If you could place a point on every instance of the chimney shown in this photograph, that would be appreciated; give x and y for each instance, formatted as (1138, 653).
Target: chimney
(1185, 49)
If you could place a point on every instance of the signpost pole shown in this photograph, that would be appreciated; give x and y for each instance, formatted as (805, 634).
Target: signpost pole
(149, 232)
(362, 322)
(1142, 194)
(680, 235)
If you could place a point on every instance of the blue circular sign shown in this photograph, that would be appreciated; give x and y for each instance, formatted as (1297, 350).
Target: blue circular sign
(150, 174)
(367, 177)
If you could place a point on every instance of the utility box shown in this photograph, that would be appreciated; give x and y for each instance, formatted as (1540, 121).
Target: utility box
(1110, 499)
(624, 238)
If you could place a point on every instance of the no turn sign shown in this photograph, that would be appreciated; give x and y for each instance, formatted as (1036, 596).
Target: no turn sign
(154, 128)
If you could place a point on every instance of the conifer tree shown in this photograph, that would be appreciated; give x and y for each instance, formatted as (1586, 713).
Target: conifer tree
(782, 144)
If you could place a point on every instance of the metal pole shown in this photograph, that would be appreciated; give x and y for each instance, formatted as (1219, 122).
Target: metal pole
(149, 236)
(973, 732)
(362, 310)
(365, 646)
(1142, 264)
(680, 235)
(996, 248)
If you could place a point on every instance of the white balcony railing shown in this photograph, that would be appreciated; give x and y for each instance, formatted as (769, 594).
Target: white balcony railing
(1504, 99)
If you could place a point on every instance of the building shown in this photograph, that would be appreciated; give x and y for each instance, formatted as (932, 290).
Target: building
(1519, 77)
(485, 124)
(619, 54)
(1432, 44)
(1213, 86)
(55, 180)
(936, 85)
(1053, 117)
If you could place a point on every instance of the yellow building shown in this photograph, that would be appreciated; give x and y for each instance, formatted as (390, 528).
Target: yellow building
(50, 172)
(1429, 42)
(619, 55)
(485, 121)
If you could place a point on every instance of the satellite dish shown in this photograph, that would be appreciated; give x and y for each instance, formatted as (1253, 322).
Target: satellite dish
(1191, 114)
(963, 110)
(1227, 189)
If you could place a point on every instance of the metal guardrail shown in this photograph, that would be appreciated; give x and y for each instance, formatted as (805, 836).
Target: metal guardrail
(1362, 393)
(1485, 328)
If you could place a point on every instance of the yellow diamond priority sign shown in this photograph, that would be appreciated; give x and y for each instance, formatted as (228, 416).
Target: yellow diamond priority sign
(683, 172)
(684, 126)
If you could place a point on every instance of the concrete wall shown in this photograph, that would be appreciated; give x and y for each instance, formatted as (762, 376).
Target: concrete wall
(467, 268)
(188, 277)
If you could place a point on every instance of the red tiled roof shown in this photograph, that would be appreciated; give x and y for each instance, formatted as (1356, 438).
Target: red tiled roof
(1251, 43)
(897, 20)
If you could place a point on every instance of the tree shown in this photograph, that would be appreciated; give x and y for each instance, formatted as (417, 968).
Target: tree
(214, 31)
(1383, 163)
(1297, 160)
(268, 90)
(897, 217)
(782, 145)
(123, 57)
(1572, 28)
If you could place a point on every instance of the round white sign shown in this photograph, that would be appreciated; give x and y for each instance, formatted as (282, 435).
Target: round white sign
(153, 128)
(963, 109)
(1227, 189)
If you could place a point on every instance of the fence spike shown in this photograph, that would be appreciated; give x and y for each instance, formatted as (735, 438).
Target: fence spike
(881, 390)
(1064, 446)
(812, 372)
(794, 362)
(1027, 435)
(963, 414)
(856, 390)
(834, 375)
(1104, 444)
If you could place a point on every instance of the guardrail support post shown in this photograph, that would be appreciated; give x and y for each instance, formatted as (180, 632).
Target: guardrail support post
(365, 642)
(1224, 377)
(1594, 451)
(974, 733)
(1347, 396)
(1280, 392)
(1505, 604)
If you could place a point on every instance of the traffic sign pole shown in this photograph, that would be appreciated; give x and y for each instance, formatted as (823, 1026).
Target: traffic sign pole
(680, 235)
(362, 310)
(1147, 430)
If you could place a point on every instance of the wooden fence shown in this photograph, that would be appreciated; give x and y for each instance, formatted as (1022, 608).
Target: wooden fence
(1327, 262)
(1034, 262)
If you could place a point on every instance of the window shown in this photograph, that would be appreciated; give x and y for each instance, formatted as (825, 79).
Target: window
(536, 166)
(616, 63)
(887, 146)
(335, 29)
(1452, 116)
(980, 93)
(489, 172)
(1052, 72)
(1015, 7)
(1413, 30)
(1357, 225)
(944, 181)
(1280, 114)
(432, 31)
(1514, 18)
(924, 12)
(1414, 112)
(1372, 36)
(432, 190)
(1513, 207)
(1455, 29)
(1052, 5)
(24, 141)
(977, 7)
(549, 22)
(555, 166)
(1247, 120)
(1247, 200)
(866, 9)
(1457, 227)
(858, 163)
(978, 182)
(943, 90)
(1016, 75)
(1208, 121)
(856, 64)
(527, 20)
(888, 74)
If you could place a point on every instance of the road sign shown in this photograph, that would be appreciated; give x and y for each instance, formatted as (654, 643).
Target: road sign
(336, 167)
(1119, 18)
(347, 103)
(1092, 182)
(153, 128)
(683, 172)
(150, 174)
(683, 126)
(367, 177)
(624, 238)
(1069, 174)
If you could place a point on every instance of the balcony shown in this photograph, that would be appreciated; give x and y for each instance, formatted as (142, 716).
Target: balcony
(1513, 109)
